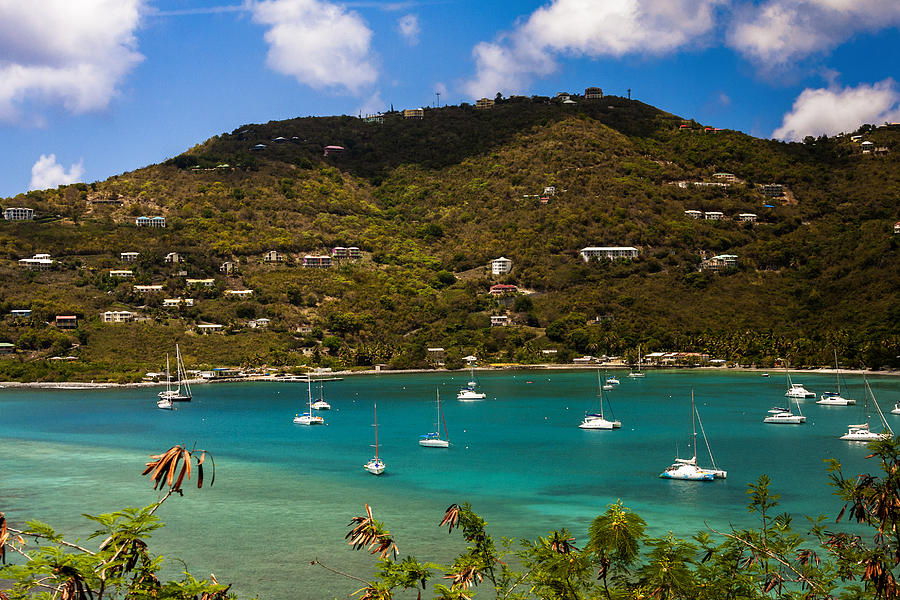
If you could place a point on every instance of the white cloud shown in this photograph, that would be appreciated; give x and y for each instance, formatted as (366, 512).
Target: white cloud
(372, 105)
(318, 43)
(47, 173)
(834, 110)
(65, 53)
(779, 32)
(587, 28)
(408, 26)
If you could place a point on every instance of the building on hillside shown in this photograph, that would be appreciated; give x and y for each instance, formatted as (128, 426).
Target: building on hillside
(747, 217)
(155, 222)
(259, 323)
(499, 321)
(39, 262)
(200, 282)
(20, 313)
(713, 215)
(725, 176)
(374, 118)
(177, 302)
(608, 252)
(339, 252)
(118, 316)
(694, 214)
(148, 289)
(209, 328)
(334, 151)
(227, 267)
(414, 113)
(66, 321)
(719, 263)
(122, 273)
(273, 256)
(773, 190)
(7, 348)
(867, 147)
(593, 93)
(18, 214)
(239, 293)
(897, 228)
(549, 190)
(258, 147)
(503, 288)
(484, 104)
(501, 266)
(174, 258)
(317, 262)
(129, 256)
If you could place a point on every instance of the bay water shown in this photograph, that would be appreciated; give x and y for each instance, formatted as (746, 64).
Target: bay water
(284, 493)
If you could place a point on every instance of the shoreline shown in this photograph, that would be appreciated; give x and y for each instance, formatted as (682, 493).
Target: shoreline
(78, 385)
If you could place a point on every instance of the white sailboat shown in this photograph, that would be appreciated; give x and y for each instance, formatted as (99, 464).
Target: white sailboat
(470, 392)
(182, 391)
(835, 398)
(165, 404)
(862, 432)
(637, 374)
(686, 468)
(309, 418)
(612, 380)
(433, 438)
(375, 466)
(597, 420)
(784, 416)
(796, 390)
(320, 404)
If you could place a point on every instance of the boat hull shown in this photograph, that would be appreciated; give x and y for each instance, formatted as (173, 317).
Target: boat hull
(434, 443)
(599, 423)
(470, 395)
(321, 405)
(164, 404)
(375, 467)
(687, 473)
(174, 397)
(783, 419)
(834, 400)
(308, 420)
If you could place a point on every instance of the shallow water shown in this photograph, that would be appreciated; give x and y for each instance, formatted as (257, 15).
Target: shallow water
(284, 493)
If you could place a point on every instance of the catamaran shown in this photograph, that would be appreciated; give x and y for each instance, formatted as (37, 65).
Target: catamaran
(784, 416)
(182, 391)
(309, 418)
(470, 392)
(597, 420)
(862, 432)
(835, 398)
(796, 390)
(375, 466)
(687, 468)
(433, 438)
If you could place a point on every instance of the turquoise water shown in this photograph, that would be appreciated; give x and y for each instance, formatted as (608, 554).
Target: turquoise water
(284, 493)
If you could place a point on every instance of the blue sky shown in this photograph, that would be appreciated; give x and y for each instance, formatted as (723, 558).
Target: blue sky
(92, 88)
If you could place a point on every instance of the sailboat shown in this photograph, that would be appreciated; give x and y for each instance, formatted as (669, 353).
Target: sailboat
(165, 404)
(375, 466)
(686, 468)
(637, 374)
(796, 390)
(309, 418)
(470, 392)
(182, 391)
(862, 432)
(320, 404)
(597, 420)
(835, 398)
(784, 416)
(433, 439)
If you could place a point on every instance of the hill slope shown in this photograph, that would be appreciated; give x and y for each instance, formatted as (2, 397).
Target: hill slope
(430, 202)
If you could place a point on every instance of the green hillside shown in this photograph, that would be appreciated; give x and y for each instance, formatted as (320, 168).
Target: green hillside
(430, 203)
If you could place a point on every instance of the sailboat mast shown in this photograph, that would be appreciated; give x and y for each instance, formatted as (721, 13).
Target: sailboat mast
(441, 416)
(309, 392)
(837, 372)
(168, 377)
(375, 407)
(694, 423)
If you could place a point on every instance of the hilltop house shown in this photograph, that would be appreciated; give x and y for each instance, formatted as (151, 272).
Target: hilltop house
(176, 302)
(499, 321)
(719, 263)
(148, 289)
(694, 214)
(18, 214)
(123, 273)
(273, 256)
(317, 262)
(593, 93)
(334, 151)
(713, 215)
(200, 282)
(129, 256)
(66, 321)
(610, 252)
(484, 104)
(226, 267)
(503, 288)
(747, 217)
(414, 113)
(501, 266)
(117, 316)
(239, 293)
(157, 222)
(39, 262)
(173, 257)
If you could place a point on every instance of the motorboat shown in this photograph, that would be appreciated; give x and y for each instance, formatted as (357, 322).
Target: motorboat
(796, 390)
